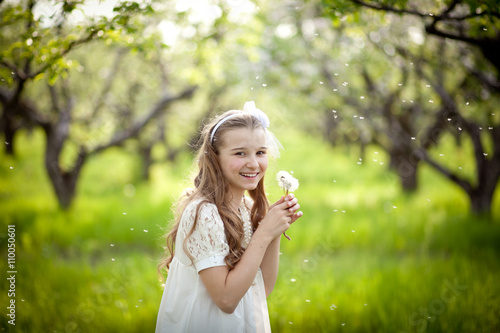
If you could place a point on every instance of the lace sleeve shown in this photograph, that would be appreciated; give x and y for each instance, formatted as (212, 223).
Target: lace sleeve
(207, 244)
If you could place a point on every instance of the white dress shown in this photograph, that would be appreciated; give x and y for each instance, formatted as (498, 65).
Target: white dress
(186, 305)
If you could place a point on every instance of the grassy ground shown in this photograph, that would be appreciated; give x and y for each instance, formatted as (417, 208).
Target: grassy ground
(364, 258)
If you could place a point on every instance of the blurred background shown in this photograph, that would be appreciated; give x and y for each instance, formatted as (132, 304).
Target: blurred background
(388, 112)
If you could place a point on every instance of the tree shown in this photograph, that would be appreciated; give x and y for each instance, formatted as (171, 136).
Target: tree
(468, 26)
(36, 48)
(42, 60)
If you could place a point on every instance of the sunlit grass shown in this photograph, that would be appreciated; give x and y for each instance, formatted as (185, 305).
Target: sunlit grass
(364, 258)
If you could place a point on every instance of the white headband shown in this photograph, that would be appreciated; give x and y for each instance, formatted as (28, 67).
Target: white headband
(273, 144)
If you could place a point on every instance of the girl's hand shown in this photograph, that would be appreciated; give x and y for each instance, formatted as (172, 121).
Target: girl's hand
(294, 207)
(280, 215)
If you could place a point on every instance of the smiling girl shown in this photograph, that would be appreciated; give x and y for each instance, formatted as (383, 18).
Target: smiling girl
(223, 250)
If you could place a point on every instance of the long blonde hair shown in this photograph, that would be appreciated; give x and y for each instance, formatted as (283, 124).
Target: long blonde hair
(212, 187)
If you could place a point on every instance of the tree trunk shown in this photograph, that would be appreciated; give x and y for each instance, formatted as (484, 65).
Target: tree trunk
(146, 161)
(8, 128)
(481, 204)
(64, 182)
(9, 140)
(406, 166)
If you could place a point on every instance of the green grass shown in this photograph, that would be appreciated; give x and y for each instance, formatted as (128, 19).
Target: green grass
(364, 258)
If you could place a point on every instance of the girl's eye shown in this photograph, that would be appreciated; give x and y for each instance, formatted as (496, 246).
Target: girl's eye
(240, 153)
(261, 152)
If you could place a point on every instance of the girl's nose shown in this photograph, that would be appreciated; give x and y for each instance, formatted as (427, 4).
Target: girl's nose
(252, 162)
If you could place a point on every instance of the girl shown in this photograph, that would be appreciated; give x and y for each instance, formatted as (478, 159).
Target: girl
(227, 244)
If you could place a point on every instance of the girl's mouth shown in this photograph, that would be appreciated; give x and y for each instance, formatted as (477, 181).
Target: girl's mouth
(250, 175)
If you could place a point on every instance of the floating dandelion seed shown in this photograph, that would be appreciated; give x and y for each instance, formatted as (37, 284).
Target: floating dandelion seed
(333, 307)
(293, 280)
(131, 228)
(289, 184)
(308, 300)
(320, 82)
(353, 231)
(145, 230)
(11, 167)
(112, 259)
(124, 213)
(306, 260)
(112, 245)
(264, 85)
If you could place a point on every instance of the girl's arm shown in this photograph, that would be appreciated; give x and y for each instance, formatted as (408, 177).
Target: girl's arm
(227, 287)
(270, 262)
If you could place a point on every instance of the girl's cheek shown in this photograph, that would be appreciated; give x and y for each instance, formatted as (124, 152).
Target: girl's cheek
(236, 165)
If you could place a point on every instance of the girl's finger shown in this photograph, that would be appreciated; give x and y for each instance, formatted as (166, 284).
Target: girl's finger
(294, 208)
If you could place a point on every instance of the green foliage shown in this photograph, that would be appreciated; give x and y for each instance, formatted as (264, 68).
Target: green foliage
(363, 258)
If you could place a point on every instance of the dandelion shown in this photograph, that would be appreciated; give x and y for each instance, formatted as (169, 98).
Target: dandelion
(289, 184)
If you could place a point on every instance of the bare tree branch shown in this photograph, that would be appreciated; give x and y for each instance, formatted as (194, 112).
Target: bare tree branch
(134, 129)
(444, 171)
(108, 83)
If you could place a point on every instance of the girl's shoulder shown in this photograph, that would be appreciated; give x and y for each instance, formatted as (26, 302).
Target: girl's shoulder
(200, 206)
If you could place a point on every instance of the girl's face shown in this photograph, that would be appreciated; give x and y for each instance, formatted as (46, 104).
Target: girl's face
(243, 158)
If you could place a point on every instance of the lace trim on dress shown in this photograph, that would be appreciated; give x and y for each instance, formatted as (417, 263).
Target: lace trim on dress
(208, 238)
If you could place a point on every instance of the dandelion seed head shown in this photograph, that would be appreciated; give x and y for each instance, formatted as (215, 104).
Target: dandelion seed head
(287, 182)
